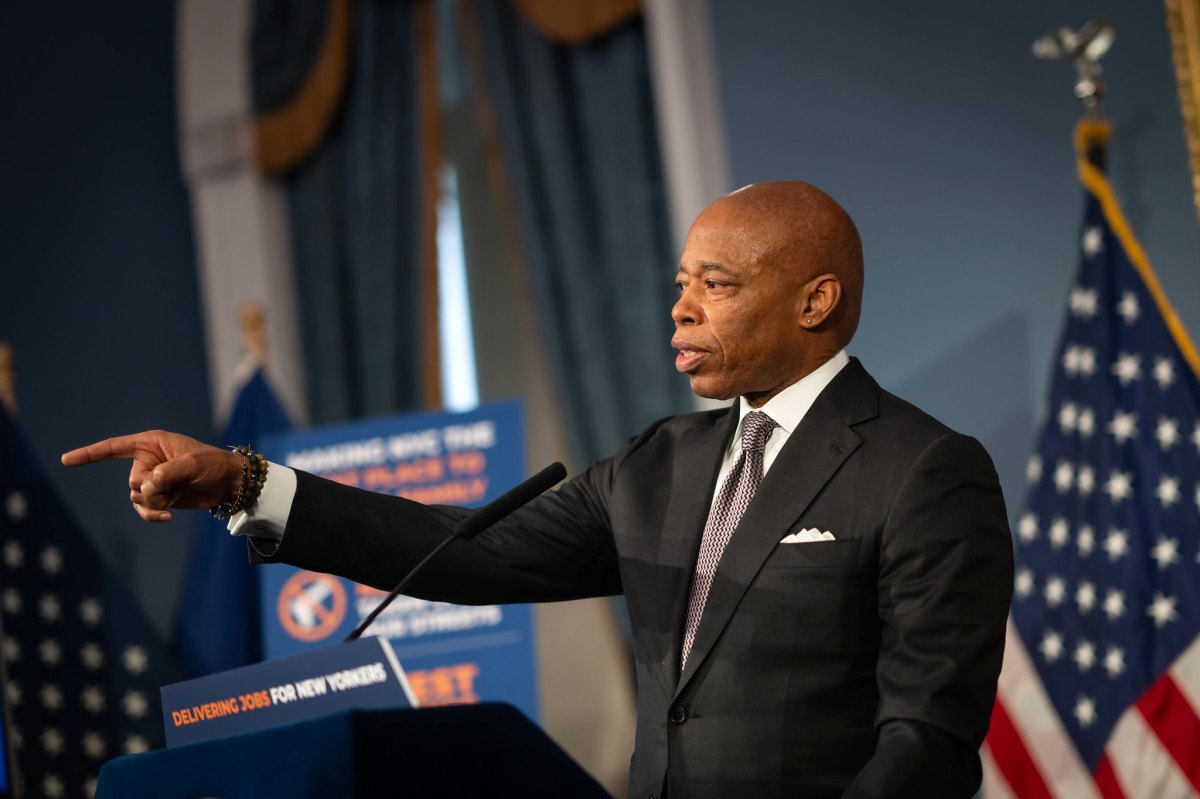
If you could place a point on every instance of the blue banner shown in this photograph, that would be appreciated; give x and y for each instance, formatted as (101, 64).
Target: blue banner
(452, 654)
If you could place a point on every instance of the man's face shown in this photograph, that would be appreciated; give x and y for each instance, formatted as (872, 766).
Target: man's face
(737, 319)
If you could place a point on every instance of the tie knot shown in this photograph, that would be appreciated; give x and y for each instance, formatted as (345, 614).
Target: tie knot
(756, 429)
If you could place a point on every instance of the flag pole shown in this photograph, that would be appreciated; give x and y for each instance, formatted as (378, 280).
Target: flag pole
(254, 333)
(8, 383)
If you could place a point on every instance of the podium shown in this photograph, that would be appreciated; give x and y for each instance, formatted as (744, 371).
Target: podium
(460, 751)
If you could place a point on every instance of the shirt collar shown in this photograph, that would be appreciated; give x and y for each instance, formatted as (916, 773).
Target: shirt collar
(788, 407)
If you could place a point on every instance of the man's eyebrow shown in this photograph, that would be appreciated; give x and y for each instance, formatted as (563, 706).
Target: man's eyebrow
(709, 266)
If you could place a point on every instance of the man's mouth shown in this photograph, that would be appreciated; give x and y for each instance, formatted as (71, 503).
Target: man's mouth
(688, 359)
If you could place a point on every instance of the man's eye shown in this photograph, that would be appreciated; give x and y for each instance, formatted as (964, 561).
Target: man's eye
(711, 284)
(679, 285)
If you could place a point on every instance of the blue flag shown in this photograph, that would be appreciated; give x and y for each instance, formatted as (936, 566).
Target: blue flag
(1101, 685)
(83, 665)
(218, 626)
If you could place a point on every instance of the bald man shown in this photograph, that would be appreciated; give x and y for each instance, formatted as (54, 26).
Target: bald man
(817, 578)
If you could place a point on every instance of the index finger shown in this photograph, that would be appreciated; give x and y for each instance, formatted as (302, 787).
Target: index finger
(108, 449)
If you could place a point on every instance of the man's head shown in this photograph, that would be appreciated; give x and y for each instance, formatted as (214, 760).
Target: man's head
(770, 287)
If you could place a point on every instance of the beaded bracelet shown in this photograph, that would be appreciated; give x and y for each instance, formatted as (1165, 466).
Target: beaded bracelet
(254, 477)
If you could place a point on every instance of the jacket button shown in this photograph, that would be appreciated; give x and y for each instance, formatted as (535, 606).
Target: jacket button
(677, 714)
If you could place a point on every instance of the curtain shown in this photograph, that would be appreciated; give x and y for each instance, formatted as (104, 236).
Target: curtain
(354, 203)
(580, 153)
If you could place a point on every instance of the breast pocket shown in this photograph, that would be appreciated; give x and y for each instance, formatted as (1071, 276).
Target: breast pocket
(814, 555)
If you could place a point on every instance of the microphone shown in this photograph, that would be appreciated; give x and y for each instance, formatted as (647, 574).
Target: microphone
(471, 526)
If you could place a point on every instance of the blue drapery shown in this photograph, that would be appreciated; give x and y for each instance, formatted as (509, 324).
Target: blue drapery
(577, 133)
(354, 209)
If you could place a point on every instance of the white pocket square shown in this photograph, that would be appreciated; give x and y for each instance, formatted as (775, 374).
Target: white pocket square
(806, 536)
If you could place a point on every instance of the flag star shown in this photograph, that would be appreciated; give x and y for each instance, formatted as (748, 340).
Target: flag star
(1085, 597)
(1114, 661)
(1064, 477)
(1085, 711)
(11, 599)
(50, 652)
(1086, 423)
(1119, 485)
(1060, 532)
(1093, 242)
(1167, 432)
(89, 787)
(12, 691)
(1068, 416)
(1085, 656)
(48, 608)
(11, 649)
(1168, 491)
(52, 698)
(1196, 435)
(135, 704)
(1027, 527)
(52, 785)
(1023, 585)
(92, 699)
(1165, 552)
(92, 656)
(1055, 591)
(1164, 372)
(135, 660)
(1033, 469)
(91, 611)
(1085, 481)
(1114, 604)
(14, 556)
(52, 741)
(16, 506)
(1162, 609)
(1128, 308)
(93, 745)
(1197, 496)
(1051, 646)
(135, 744)
(1123, 426)
(1116, 544)
(51, 560)
(1078, 360)
(1085, 539)
(1128, 367)
(1084, 302)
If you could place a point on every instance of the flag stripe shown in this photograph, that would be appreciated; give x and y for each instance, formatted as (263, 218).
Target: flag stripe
(1141, 765)
(994, 785)
(1012, 757)
(1168, 713)
(1106, 781)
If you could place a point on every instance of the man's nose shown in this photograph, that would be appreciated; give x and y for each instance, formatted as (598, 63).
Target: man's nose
(686, 310)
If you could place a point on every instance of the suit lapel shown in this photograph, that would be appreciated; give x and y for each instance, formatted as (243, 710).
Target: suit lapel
(812, 456)
(697, 464)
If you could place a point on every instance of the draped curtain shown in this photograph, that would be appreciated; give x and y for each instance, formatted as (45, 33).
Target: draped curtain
(580, 157)
(349, 160)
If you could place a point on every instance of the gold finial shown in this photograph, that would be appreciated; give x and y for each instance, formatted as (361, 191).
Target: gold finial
(8, 383)
(254, 332)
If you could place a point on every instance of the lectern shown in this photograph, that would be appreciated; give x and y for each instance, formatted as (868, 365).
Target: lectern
(461, 751)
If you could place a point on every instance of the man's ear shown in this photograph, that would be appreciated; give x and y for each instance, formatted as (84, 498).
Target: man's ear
(820, 298)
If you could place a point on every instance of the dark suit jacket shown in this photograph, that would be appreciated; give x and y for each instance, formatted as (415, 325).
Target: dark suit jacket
(864, 666)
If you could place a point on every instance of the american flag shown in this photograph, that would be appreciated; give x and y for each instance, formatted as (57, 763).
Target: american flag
(1100, 691)
(83, 666)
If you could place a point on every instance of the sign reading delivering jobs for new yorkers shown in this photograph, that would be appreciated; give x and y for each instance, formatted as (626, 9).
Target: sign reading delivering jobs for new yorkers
(452, 654)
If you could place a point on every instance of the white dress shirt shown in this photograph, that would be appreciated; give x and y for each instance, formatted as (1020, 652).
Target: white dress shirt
(268, 516)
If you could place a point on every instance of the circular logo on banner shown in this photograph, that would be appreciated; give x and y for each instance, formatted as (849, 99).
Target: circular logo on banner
(311, 605)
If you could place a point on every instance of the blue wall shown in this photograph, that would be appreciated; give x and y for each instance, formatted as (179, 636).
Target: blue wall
(98, 290)
(950, 144)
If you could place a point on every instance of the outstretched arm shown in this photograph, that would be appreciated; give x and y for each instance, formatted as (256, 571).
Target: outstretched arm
(168, 471)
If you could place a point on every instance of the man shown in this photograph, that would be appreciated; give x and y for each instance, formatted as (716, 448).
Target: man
(835, 629)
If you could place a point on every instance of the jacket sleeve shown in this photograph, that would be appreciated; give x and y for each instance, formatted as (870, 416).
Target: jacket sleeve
(559, 546)
(945, 582)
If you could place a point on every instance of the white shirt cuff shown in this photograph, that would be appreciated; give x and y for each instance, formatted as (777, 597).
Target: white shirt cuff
(268, 516)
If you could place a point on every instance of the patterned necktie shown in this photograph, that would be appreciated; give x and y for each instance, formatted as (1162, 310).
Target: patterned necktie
(732, 500)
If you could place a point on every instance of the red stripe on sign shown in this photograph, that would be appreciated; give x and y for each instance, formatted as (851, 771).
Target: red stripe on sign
(1012, 758)
(1106, 780)
(1168, 712)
